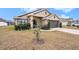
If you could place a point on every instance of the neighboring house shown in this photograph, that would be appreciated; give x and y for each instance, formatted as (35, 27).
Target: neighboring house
(10, 23)
(39, 17)
(3, 22)
(66, 21)
(76, 22)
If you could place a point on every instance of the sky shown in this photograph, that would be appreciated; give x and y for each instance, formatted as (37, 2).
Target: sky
(9, 13)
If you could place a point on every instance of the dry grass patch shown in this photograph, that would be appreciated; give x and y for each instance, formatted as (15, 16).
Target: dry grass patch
(22, 40)
(71, 27)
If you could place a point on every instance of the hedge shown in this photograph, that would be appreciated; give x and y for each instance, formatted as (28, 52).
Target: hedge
(22, 26)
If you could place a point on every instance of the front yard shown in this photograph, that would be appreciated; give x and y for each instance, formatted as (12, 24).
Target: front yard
(71, 27)
(22, 40)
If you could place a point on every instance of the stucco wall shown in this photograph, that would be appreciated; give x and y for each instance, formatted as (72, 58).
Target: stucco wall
(42, 14)
(64, 23)
(3, 24)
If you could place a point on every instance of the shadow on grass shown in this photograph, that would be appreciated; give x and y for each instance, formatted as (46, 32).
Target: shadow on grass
(40, 42)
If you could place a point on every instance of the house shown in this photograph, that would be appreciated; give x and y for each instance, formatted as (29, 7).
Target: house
(37, 18)
(75, 23)
(66, 21)
(3, 22)
(10, 23)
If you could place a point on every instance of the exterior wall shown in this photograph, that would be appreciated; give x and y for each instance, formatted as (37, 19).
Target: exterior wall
(44, 22)
(16, 22)
(31, 21)
(38, 21)
(64, 23)
(56, 18)
(3, 24)
(42, 14)
(69, 23)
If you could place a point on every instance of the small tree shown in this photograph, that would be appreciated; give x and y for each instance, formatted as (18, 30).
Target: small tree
(37, 39)
(37, 33)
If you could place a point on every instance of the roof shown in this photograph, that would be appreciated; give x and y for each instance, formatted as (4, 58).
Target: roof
(66, 19)
(2, 20)
(34, 12)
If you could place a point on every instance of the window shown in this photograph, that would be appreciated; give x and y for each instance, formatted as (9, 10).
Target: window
(20, 21)
(46, 13)
(54, 16)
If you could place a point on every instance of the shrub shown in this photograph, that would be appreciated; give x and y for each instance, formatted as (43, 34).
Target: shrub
(73, 25)
(22, 26)
(16, 27)
(60, 25)
(48, 25)
(28, 26)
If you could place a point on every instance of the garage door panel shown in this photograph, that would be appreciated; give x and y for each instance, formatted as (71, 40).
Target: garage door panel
(53, 24)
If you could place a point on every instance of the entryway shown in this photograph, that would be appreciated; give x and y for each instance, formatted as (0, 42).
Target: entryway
(34, 23)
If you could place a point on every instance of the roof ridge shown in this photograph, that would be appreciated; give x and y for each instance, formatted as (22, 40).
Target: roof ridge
(41, 9)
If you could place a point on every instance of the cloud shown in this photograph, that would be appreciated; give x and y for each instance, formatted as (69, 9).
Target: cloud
(65, 10)
(64, 16)
(28, 9)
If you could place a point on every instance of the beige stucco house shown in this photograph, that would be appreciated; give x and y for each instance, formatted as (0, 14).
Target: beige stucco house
(39, 17)
(66, 21)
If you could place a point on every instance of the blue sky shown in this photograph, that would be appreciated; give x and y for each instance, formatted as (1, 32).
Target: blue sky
(9, 13)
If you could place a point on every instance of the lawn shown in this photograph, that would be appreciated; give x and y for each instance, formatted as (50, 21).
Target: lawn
(71, 27)
(22, 40)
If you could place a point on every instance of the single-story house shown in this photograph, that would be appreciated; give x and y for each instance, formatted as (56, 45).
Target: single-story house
(66, 21)
(39, 17)
(3, 22)
(76, 23)
(10, 23)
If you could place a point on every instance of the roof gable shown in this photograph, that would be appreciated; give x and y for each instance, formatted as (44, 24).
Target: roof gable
(52, 17)
(40, 12)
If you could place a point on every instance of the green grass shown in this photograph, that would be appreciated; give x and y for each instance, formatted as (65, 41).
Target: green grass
(11, 27)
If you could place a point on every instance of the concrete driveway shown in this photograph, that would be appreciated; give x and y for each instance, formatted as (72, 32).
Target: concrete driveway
(72, 31)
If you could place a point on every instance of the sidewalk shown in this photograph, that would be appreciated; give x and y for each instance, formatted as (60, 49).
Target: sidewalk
(71, 31)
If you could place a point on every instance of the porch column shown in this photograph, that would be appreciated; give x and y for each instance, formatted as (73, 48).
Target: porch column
(31, 21)
(16, 22)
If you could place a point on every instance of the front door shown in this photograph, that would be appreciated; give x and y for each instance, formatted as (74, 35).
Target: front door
(34, 23)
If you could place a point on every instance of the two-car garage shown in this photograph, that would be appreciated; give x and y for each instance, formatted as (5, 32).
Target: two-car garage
(54, 23)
